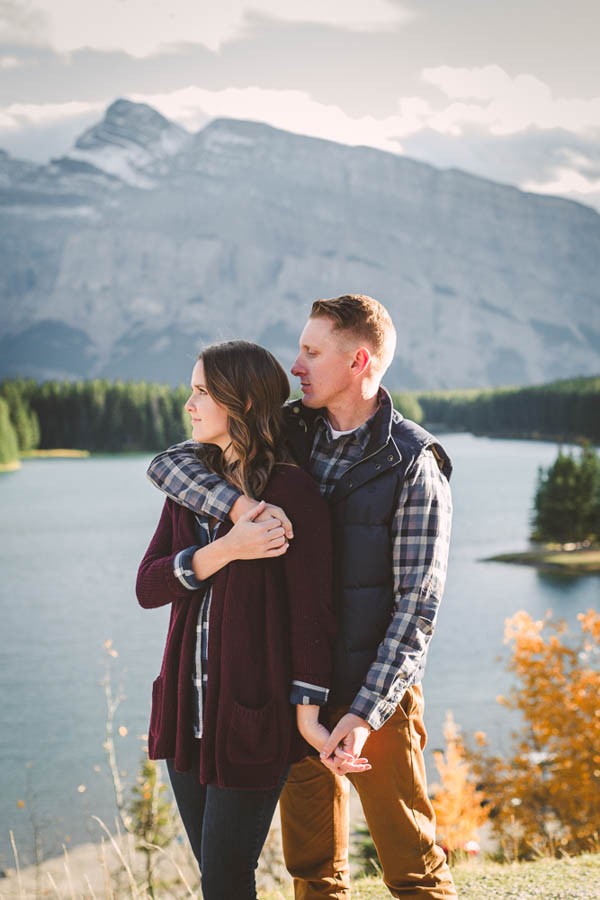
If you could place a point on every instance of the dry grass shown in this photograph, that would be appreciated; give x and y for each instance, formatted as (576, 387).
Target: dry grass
(56, 454)
(113, 870)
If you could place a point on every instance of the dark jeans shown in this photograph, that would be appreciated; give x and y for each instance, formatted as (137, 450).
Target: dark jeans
(227, 829)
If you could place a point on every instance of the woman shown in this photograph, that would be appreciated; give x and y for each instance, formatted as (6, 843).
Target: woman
(251, 622)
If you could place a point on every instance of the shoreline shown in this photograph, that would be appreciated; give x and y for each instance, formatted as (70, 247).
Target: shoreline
(13, 466)
(58, 453)
(555, 559)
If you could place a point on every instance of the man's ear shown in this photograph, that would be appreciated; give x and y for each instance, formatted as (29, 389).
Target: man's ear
(361, 360)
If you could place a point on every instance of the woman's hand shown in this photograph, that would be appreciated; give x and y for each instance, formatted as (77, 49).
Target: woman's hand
(244, 504)
(250, 539)
(307, 719)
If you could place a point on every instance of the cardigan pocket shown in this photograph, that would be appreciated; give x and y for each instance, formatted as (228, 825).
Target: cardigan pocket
(156, 713)
(252, 737)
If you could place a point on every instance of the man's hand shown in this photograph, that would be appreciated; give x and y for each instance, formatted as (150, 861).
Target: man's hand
(244, 504)
(341, 752)
(253, 539)
(307, 718)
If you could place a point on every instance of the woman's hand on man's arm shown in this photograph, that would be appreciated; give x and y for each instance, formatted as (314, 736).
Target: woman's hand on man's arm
(250, 538)
(244, 505)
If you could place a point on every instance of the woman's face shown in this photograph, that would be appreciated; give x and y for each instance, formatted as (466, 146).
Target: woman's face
(209, 418)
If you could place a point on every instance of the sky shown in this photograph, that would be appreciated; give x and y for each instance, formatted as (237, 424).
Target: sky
(507, 90)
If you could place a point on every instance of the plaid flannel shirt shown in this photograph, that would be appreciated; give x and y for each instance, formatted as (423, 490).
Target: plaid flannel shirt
(420, 533)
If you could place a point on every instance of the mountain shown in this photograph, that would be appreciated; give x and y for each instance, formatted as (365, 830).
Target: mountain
(132, 142)
(145, 241)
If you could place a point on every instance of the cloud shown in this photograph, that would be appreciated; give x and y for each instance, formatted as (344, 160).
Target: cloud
(513, 104)
(566, 182)
(141, 28)
(11, 62)
(21, 115)
(483, 83)
(551, 161)
(20, 23)
(293, 111)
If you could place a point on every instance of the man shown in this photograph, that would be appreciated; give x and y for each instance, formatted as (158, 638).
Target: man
(387, 482)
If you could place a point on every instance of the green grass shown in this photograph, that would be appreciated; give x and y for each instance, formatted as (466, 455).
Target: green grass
(546, 879)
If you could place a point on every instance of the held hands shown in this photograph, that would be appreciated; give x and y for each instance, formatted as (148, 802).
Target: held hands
(255, 536)
(341, 751)
(337, 758)
(268, 511)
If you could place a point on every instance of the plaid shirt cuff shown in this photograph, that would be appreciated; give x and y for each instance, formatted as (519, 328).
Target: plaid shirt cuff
(373, 708)
(182, 569)
(303, 694)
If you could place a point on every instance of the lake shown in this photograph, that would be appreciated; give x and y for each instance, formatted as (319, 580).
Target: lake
(72, 533)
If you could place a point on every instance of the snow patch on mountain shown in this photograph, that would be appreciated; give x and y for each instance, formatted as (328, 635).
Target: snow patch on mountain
(130, 143)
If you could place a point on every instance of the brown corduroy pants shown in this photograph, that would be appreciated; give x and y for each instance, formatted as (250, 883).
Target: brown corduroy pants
(315, 815)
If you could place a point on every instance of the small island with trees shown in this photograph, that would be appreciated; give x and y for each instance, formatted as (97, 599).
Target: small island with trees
(566, 517)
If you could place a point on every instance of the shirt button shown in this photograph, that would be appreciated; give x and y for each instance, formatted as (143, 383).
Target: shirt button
(296, 409)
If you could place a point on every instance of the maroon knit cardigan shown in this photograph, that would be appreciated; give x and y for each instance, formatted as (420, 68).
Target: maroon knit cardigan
(271, 622)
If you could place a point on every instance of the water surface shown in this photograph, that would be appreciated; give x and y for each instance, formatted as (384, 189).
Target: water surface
(72, 533)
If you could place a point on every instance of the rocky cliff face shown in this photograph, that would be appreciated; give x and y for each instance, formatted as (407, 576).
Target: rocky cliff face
(145, 241)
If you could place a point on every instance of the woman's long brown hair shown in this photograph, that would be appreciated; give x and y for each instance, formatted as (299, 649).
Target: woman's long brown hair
(252, 386)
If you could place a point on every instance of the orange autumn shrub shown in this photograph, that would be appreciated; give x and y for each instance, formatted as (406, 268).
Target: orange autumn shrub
(457, 801)
(546, 797)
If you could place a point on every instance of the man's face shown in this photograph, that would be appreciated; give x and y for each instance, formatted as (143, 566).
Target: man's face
(323, 364)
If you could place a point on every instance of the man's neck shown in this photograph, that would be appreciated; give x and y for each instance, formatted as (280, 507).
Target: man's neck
(347, 416)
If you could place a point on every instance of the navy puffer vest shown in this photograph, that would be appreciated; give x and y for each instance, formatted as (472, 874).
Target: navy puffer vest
(363, 504)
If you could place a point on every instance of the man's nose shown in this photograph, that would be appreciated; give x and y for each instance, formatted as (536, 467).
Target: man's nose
(296, 368)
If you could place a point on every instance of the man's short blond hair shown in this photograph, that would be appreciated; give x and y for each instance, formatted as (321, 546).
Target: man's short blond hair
(364, 319)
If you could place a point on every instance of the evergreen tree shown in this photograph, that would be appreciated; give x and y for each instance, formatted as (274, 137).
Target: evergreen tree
(23, 419)
(9, 449)
(589, 492)
(409, 406)
(566, 499)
